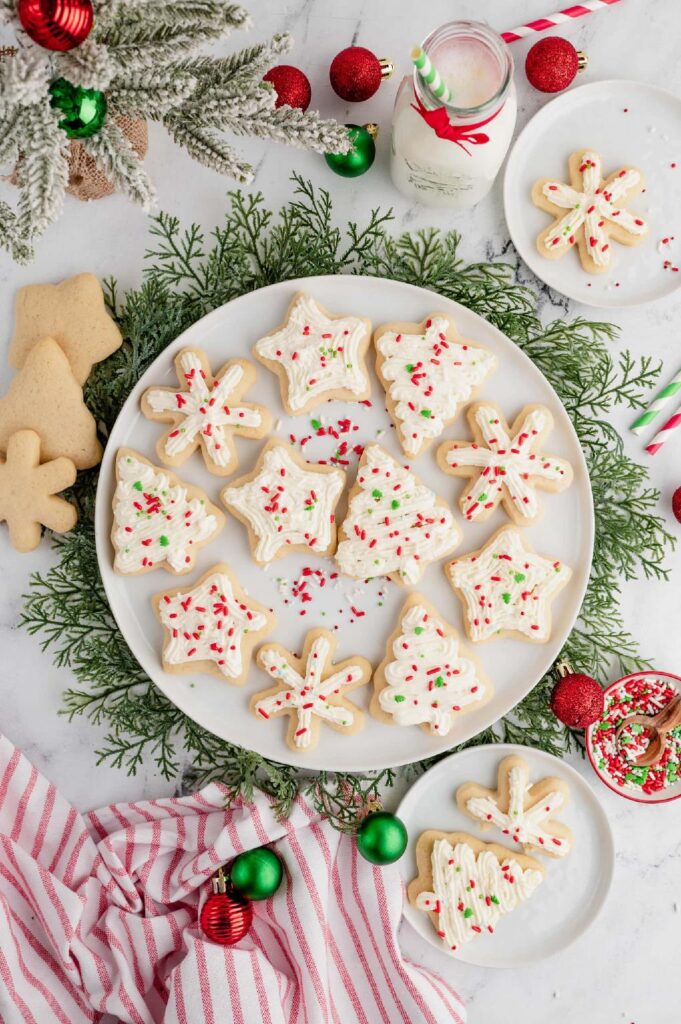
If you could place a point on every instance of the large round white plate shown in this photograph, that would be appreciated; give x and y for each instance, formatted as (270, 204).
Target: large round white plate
(573, 890)
(627, 123)
(566, 532)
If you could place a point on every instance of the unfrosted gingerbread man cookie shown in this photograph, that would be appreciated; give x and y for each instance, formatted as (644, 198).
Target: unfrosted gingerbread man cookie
(29, 491)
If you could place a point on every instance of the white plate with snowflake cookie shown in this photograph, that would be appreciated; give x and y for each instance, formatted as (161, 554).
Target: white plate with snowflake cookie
(633, 130)
(560, 897)
(306, 591)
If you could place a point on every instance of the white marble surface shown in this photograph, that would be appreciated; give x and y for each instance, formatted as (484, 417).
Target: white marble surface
(622, 969)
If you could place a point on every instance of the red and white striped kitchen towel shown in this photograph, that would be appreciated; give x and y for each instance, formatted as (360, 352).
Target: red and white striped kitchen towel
(98, 915)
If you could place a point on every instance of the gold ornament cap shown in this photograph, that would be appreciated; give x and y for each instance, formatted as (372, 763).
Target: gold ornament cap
(582, 60)
(371, 128)
(387, 69)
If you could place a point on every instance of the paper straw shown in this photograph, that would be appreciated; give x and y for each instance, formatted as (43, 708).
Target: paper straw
(559, 18)
(430, 74)
(661, 400)
(663, 434)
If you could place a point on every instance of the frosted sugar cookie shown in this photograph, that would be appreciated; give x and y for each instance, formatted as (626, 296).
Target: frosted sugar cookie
(426, 677)
(506, 588)
(318, 356)
(427, 371)
(211, 627)
(206, 412)
(590, 212)
(311, 689)
(395, 525)
(523, 812)
(506, 463)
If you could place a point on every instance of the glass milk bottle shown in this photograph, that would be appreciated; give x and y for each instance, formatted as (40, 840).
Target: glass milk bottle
(449, 154)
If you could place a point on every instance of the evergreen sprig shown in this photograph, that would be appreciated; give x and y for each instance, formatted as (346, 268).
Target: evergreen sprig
(186, 276)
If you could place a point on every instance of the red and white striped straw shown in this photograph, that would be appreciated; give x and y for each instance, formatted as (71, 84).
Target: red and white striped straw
(664, 433)
(559, 18)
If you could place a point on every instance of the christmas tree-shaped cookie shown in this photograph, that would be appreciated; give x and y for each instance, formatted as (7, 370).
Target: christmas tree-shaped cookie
(395, 525)
(158, 520)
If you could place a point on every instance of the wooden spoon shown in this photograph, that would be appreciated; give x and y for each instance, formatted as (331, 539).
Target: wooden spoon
(658, 727)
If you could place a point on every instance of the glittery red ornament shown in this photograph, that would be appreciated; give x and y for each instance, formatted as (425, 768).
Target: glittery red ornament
(577, 700)
(356, 73)
(552, 63)
(291, 85)
(676, 503)
(226, 916)
(56, 24)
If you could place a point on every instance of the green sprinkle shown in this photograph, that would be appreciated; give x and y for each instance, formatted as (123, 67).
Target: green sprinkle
(315, 424)
(483, 496)
(418, 630)
(439, 681)
(426, 413)
(519, 577)
(506, 598)
(468, 912)
(137, 485)
(410, 367)
(394, 503)
(377, 494)
(495, 900)
(399, 698)
(163, 541)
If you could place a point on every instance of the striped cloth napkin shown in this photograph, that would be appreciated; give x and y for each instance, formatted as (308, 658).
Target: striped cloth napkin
(98, 915)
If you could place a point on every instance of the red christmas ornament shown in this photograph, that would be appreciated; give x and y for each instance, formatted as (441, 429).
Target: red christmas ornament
(226, 916)
(676, 503)
(56, 24)
(356, 73)
(291, 85)
(552, 63)
(577, 700)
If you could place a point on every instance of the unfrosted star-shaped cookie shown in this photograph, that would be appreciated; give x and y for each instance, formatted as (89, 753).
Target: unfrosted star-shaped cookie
(28, 491)
(74, 314)
(506, 463)
(287, 504)
(211, 627)
(590, 212)
(206, 412)
(506, 588)
(522, 812)
(317, 355)
(311, 689)
(427, 371)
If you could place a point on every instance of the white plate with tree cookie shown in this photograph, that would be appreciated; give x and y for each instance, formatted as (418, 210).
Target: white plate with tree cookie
(510, 855)
(592, 193)
(326, 499)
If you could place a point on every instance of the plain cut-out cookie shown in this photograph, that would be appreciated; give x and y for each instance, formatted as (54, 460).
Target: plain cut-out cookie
(589, 212)
(428, 372)
(522, 812)
(318, 356)
(29, 489)
(287, 504)
(506, 464)
(206, 412)
(427, 678)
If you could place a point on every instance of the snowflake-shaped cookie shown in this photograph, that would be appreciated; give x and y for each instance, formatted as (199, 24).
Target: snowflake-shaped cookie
(311, 689)
(522, 812)
(211, 627)
(28, 491)
(425, 678)
(206, 411)
(427, 371)
(287, 504)
(589, 212)
(504, 463)
(506, 588)
(317, 356)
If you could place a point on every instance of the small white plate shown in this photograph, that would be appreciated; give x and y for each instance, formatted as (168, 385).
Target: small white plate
(573, 890)
(627, 123)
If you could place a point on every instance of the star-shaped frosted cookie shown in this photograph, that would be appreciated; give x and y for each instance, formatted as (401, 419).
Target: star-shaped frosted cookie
(506, 464)
(28, 491)
(211, 627)
(310, 689)
(590, 212)
(206, 411)
(395, 525)
(287, 504)
(427, 371)
(74, 314)
(426, 678)
(520, 811)
(317, 355)
(506, 588)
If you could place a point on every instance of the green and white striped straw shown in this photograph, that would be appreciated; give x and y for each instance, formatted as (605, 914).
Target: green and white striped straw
(430, 75)
(661, 400)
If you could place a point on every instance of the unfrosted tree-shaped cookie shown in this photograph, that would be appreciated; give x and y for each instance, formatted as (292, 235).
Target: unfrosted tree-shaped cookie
(28, 491)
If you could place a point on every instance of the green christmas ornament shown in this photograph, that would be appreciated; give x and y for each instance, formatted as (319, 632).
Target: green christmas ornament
(360, 157)
(84, 109)
(382, 838)
(256, 874)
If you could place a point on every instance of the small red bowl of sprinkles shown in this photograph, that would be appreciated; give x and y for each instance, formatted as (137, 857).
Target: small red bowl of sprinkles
(613, 758)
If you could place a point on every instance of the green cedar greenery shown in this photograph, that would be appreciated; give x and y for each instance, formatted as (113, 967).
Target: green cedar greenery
(186, 276)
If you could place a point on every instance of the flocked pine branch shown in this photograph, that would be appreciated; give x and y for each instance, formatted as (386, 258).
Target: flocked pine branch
(111, 151)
